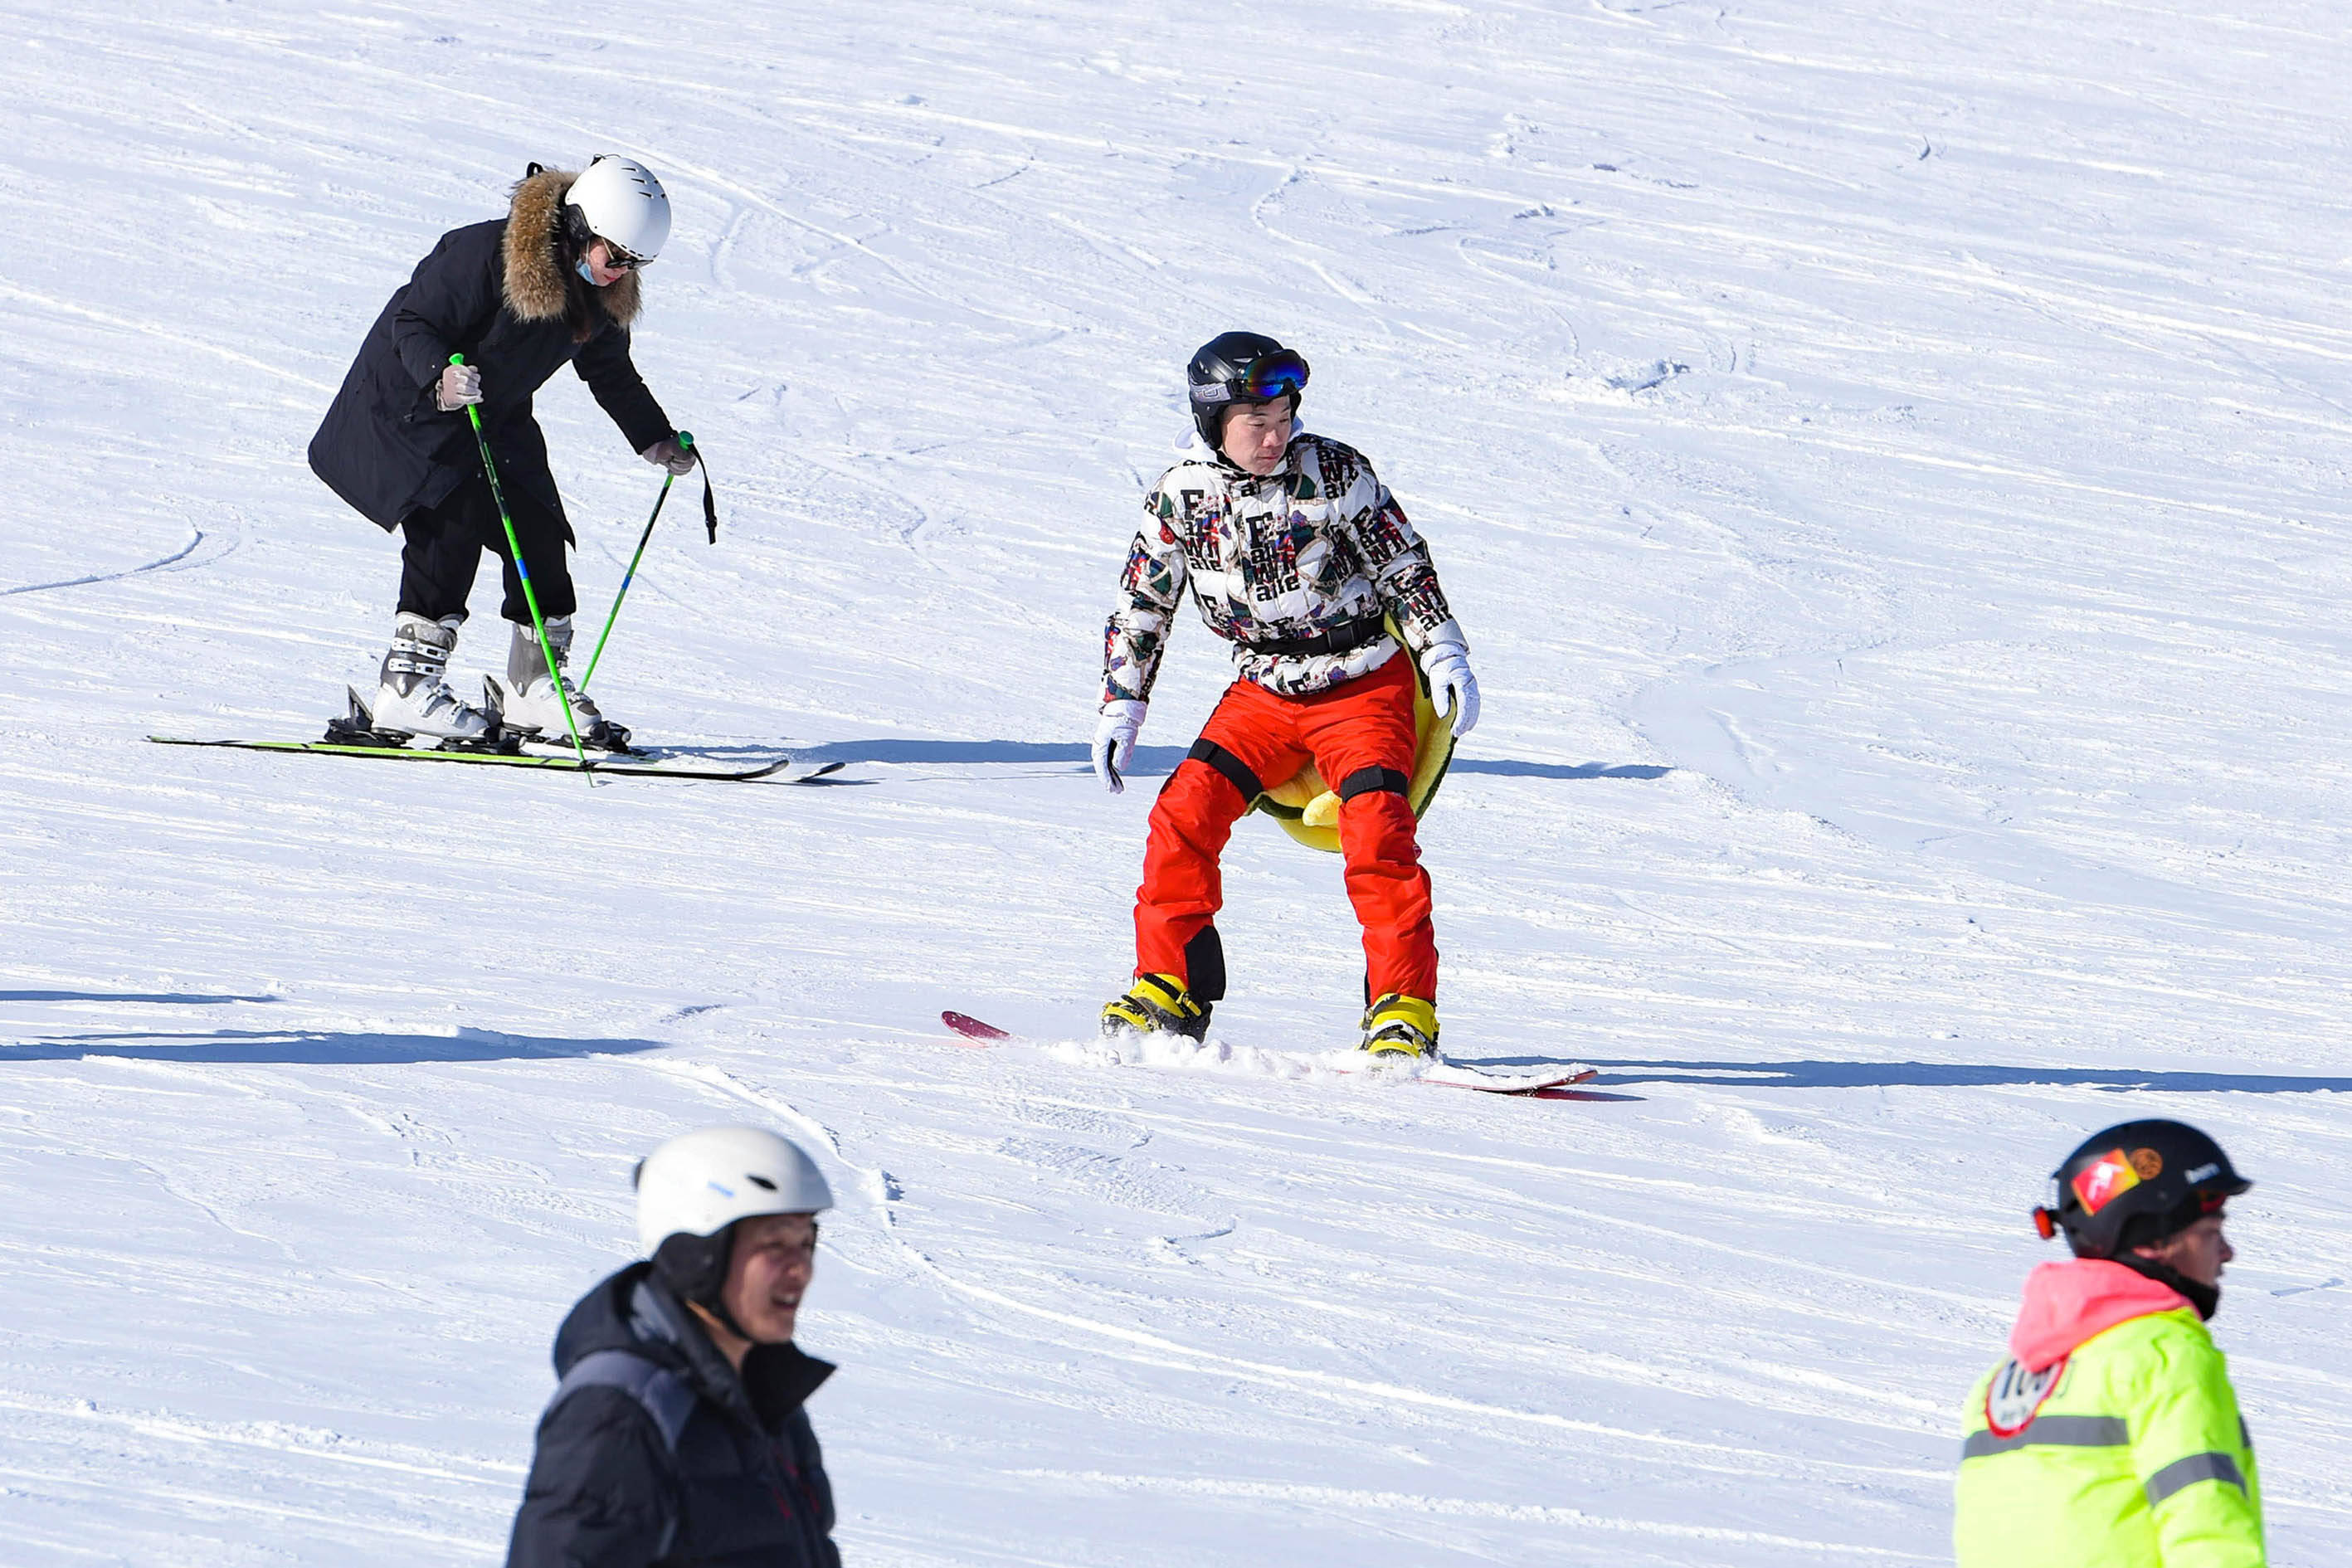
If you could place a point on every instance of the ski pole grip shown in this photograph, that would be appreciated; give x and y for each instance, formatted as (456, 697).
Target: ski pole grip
(686, 439)
(473, 417)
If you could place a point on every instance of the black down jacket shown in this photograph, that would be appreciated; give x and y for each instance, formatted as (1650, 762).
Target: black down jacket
(655, 1451)
(496, 292)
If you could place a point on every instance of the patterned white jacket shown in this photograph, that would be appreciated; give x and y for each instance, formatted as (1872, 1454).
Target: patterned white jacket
(1295, 569)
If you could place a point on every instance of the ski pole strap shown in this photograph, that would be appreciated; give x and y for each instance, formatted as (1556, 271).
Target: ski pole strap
(709, 506)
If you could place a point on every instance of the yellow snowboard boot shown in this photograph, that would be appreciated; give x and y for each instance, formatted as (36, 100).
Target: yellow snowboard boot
(1400, 1026)
(1157, 1003)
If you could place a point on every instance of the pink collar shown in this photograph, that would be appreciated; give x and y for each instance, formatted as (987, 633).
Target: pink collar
(2066, 1303)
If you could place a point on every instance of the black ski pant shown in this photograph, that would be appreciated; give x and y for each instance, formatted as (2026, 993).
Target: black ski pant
(441, 549)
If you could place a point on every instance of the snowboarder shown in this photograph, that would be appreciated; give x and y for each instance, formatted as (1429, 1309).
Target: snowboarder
(2111, 1436)
(677, 1433)
(1299, 557)
(554, 281)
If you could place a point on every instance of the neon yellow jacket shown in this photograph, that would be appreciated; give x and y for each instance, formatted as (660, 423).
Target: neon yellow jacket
(2110, 1438)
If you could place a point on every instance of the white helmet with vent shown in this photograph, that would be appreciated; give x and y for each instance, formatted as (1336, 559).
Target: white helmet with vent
(700, 1183)
(620, 200)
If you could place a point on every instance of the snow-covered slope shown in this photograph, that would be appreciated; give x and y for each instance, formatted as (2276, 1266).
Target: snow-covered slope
(1889, 458)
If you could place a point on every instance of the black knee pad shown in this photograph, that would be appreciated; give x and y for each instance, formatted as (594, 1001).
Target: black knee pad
(1374, 781)
(1204, 966)
(1229, 767)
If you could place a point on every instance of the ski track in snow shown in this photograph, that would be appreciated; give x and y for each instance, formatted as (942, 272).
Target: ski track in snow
(1889, 461)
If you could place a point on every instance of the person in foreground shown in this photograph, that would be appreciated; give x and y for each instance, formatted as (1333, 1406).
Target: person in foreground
(677, 1434)
(2111, 1437)
(1299, 557)
(552, 283)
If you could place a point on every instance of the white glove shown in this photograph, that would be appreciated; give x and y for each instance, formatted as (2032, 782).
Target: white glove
(673, 454)
(460, 384)
(1452, 688)
(1115, 742)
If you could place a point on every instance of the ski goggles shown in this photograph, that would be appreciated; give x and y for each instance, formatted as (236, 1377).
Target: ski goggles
(619, 260)
(1266, 377)
(580, 237)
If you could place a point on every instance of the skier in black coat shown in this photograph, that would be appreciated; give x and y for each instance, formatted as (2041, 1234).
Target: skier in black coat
(553, 282)
(676, 1435)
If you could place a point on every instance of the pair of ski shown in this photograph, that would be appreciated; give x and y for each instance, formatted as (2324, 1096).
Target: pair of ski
(1541, 1083)
(355, 736)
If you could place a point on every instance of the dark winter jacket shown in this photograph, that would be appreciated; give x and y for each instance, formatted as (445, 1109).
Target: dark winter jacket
(693, 1468)
(496, 292)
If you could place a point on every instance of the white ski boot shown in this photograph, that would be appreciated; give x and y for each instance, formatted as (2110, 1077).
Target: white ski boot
(527, 702)
(413, 696)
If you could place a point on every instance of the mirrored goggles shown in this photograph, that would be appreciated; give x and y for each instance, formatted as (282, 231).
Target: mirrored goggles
(1272, 375)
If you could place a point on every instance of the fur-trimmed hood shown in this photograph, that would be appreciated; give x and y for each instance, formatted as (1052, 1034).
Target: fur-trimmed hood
(534, 268)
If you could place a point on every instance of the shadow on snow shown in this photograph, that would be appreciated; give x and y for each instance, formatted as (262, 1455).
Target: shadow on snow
(182, 999)
(1156, 760)
(311, 1047)
(1939, 1075)
(1502, 768)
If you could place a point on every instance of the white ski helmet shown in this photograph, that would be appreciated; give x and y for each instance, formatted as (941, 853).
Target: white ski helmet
(619, 200)
(700, 1183)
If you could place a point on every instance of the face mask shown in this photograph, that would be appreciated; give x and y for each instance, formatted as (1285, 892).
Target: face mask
(585, 273)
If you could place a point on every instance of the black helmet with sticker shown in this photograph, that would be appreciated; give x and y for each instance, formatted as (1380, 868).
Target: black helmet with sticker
(2136, 1183)
(1240, 367)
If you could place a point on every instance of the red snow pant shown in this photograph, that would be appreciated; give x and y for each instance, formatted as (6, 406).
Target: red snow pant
(1359, 736)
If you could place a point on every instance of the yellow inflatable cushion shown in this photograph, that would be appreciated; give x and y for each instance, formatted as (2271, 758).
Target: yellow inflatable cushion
(1308, 809)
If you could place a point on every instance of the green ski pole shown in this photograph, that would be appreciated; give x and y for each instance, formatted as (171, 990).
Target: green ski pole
(687, 441)
(529, 594)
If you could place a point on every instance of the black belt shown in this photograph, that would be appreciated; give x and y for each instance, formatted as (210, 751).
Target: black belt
(1339, 639)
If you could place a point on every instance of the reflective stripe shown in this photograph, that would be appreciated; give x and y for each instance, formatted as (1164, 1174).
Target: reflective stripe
(2188, 1472)
(2054, 1431)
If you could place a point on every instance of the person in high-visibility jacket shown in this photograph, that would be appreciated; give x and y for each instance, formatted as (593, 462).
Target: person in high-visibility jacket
(2111, 1436)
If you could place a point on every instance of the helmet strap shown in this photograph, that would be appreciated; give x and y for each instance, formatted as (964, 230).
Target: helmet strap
(714, 1284)
(2206, 1299)
(572, 236)
(717, 1308)
(696, 1267)
(712, 1297)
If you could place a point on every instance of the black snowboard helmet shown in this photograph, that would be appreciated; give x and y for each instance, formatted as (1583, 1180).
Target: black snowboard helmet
(1236, 368)
(2136, 1183)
